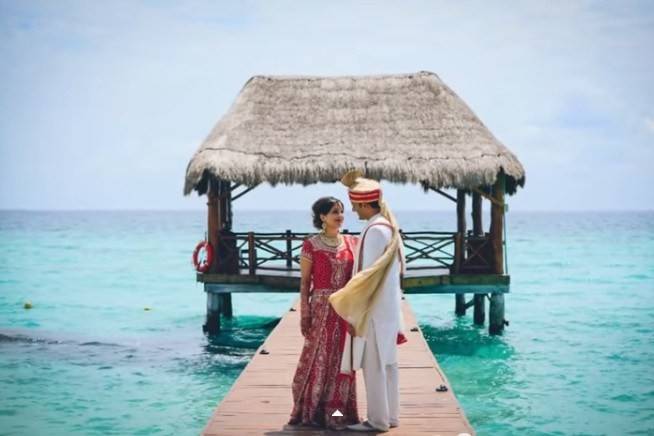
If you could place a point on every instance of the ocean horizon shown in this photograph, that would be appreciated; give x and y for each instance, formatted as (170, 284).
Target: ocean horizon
(113, 343)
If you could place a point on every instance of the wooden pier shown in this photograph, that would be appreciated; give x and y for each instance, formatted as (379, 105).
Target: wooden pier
(406, 128)
(260, 401)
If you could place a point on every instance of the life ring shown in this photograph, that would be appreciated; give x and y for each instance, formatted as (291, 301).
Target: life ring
(204, 265)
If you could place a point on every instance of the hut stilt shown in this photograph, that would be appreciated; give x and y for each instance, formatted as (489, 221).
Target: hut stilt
(477, 223)
(496, 314)
(219, 224)
(496, 309)
(459, 247)
(479, 314)
(212, 320)
(460, 304)
(226, 305)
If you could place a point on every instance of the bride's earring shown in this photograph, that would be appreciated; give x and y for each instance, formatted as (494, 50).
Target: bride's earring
(324, 227)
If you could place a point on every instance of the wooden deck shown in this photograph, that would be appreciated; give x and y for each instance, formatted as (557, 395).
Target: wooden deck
(426, 281)
(259, 402)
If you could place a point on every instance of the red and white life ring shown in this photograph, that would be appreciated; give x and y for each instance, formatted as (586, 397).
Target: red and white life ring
(204, 264)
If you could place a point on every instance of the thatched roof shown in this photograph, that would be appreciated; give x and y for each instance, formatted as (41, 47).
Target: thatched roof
(401, 128)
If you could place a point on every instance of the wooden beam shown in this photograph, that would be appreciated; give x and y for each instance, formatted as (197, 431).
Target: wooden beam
(213, 219)
(479, 315)
(226, 305)
(496, 314)
(459, 246)
(289, 249)
(212, 320)
(443, 193)
(477, 222)
(225, 205)
(497, 224)
(461, 211)
(252, 254)
(413, 283)
(242, 193)
(460, 304)
(489, 197)
(458, 250)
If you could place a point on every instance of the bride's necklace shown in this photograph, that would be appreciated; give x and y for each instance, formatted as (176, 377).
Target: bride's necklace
(332, 241)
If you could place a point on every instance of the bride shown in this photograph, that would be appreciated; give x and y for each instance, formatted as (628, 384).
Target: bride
(326, 264)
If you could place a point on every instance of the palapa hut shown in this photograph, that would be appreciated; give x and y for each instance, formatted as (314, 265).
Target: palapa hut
(409, 128)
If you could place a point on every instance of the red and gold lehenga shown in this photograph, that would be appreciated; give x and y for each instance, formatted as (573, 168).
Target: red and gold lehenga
(318, 387)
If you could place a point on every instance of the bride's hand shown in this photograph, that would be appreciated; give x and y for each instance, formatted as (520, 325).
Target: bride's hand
(305, 325)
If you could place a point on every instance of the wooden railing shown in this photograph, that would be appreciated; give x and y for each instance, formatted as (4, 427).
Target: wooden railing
(477, 255)
(428, 250)
(281, 251)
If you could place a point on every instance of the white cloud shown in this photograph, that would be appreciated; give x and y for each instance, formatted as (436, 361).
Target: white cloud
(649, 123)
(125, 84)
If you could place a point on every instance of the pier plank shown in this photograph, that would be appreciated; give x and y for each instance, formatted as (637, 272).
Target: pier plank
(260, 400)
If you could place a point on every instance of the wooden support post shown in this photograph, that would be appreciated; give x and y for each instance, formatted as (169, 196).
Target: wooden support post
(497, 224)
(480, 309)
(219, 225)
(477, 223)
(225, 205)
(460, 210)
(496, 306)
(212, 322)
(252, 254)
(213, 219)
(226, 305)
(289, 250)
(459, 246)
(460, 304)
(458, 259)
(227, 255)
(496, 314)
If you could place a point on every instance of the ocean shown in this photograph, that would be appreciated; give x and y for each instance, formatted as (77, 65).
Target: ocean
(113, 343)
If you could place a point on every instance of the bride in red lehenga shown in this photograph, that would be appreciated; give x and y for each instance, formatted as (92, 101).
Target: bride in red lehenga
(326, 264)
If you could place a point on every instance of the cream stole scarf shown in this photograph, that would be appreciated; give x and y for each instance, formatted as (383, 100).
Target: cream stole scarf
(355, 301)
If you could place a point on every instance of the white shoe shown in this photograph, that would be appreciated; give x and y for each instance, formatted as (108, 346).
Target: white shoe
(364, 426)
(394, 424)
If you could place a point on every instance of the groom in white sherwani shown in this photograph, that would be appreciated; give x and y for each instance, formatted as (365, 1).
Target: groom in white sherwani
(371, 303)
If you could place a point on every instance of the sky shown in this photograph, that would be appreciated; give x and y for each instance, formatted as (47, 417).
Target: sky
(102, 104)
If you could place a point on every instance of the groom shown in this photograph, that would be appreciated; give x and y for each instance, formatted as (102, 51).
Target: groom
(371, 303)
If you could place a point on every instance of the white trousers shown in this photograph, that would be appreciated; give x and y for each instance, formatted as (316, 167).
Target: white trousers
(382, 385)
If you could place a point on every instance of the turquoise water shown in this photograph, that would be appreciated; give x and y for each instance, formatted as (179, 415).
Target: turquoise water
(89, 359)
